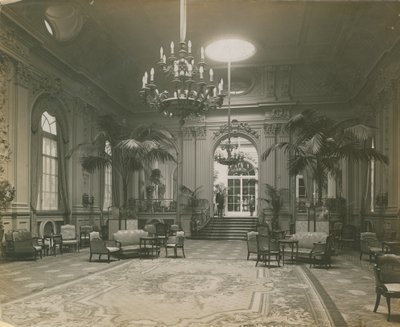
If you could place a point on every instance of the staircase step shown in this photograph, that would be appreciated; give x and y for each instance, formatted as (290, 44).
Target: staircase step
(227, 228)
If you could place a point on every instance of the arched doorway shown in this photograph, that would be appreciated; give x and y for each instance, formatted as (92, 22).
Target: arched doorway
(239, 182)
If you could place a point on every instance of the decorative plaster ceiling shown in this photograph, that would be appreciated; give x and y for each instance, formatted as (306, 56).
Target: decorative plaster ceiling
(317, 50)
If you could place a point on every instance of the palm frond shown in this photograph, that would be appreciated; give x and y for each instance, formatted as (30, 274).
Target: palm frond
(273, 148)
(153, 133)
(361, 131)
(314, 144)
(93, 163)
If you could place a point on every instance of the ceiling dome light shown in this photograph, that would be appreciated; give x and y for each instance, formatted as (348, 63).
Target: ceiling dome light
(63, 21)
(230, 50)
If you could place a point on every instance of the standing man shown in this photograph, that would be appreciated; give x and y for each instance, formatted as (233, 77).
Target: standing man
(252, 205)
(220, 200)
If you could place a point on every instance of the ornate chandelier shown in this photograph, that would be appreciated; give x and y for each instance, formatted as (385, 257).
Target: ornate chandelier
(232, 157)
(189, 92)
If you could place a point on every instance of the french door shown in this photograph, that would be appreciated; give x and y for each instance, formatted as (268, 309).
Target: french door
(240, 191)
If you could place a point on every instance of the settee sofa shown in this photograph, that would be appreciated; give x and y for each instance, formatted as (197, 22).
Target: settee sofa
(128, 241)
(307, 242)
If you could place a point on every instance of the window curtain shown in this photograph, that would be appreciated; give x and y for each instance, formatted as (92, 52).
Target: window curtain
(115, 186)
(62, 171)
(55, 108)
(36, 173)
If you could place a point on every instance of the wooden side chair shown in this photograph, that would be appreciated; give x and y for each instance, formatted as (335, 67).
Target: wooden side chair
(369, 245)
(100, 247)
(321, 254)
(251, 243)
(175, 242)
(387, 279)
(268, 248)
(69, 237)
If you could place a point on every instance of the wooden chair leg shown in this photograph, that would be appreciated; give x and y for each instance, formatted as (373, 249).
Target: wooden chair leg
(388, 305)
(90, 257)
(183, 252)
(377, 301)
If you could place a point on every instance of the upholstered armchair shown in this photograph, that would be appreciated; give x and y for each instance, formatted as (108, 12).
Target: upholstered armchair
(100, 247)
(175, 242)
(369, 245)
(267, 248)
(387, 279)
(20, 243)
(69, 237)
(251, 243)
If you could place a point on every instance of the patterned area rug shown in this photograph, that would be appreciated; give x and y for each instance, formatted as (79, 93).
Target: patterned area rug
(177, 292)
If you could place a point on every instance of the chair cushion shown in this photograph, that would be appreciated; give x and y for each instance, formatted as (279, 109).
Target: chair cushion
(130, 247)
(393, 287)
(70, 242)
(112, 249)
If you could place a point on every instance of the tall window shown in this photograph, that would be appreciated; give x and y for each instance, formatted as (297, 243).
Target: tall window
(48, 192)
(300, 187)
(107, 181)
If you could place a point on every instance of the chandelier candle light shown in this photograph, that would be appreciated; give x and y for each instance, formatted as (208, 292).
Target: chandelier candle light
(190, 93)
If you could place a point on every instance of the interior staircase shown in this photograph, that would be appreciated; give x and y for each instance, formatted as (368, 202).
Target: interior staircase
(227, 228)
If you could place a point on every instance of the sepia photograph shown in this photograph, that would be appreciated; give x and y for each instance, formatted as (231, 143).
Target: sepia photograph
(199, 163)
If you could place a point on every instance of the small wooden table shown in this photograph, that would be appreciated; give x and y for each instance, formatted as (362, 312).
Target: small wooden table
(148, 246)
(292, 244)
(50, 242)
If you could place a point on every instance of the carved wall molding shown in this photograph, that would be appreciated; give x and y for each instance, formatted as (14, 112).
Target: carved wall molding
(23, 75)
(274, 129)
(49, 84)
(5, 151)
(194, 132)
(280, 113)
(10, 40)
(240, 127)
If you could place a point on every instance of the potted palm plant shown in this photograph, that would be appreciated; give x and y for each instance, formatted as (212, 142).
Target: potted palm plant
(131, 149)
(320, 144)
(275, 199)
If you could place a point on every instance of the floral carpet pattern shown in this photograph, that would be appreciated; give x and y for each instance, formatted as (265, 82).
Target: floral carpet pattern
(176, 292)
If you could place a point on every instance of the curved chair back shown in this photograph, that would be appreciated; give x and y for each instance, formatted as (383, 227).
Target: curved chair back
(68, 232)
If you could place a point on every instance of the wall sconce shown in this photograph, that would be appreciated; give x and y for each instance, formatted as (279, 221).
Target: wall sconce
(87, 200)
